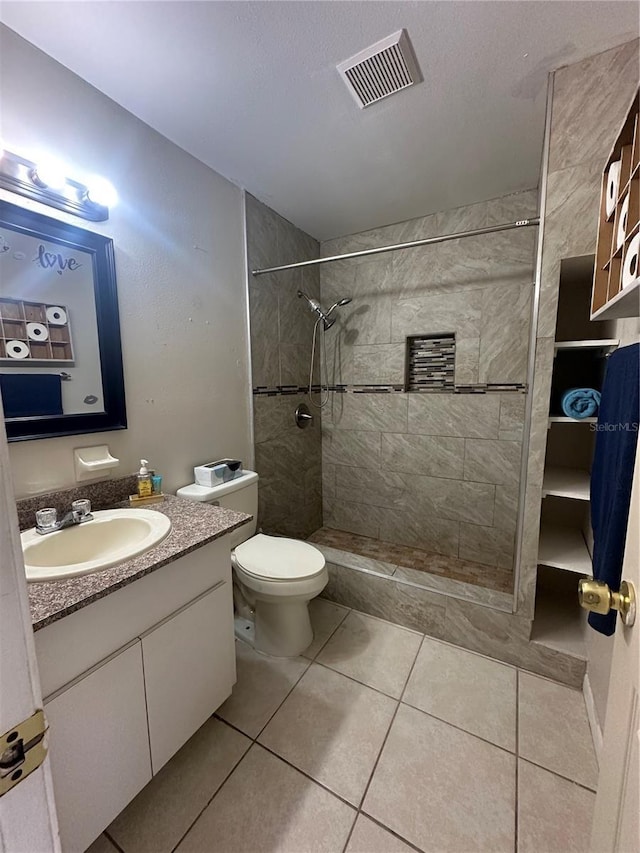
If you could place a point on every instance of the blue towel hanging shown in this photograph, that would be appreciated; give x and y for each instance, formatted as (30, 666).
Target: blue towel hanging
(29, 395)
(612, 471)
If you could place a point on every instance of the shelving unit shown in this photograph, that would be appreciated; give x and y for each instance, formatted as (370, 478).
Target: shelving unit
(616, 280)
(563, 419)
(606, 344)
(564, 548)
(572, 483)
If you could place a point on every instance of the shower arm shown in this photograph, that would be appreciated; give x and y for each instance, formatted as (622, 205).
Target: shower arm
(394, 247)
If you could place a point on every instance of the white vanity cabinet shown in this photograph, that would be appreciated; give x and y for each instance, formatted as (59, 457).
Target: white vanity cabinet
(131, 678)
(99, 746)
(189, 668)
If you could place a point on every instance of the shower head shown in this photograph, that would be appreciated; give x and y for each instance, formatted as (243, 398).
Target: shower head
(317, 308)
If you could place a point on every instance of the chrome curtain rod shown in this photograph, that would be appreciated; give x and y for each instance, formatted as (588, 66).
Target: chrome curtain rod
(429, 241)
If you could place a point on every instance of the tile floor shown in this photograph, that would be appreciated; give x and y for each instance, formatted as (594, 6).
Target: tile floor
(378, 740)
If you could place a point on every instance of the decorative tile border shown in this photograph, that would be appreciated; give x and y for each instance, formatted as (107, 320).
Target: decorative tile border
(282, 390)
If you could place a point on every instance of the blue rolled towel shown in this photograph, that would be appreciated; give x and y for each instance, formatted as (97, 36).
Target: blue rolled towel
(580, 403)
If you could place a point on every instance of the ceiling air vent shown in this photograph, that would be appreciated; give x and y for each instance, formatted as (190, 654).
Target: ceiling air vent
(388, 66)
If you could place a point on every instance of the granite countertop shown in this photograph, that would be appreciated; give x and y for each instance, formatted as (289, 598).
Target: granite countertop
(193, 525)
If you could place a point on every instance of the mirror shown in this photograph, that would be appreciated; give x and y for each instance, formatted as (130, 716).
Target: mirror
(60, 354)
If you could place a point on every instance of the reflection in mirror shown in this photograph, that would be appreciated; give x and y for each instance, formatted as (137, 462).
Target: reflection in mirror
(60, 360)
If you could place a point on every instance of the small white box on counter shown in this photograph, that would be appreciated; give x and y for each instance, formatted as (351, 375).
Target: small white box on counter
(213, 473)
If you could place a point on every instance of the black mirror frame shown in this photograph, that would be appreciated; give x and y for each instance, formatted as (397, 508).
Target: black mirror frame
(108, 321)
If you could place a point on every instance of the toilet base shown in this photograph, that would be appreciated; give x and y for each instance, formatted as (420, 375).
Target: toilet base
(282, 630)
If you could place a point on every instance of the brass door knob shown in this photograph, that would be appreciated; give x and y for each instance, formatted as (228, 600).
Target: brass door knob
(598, 598)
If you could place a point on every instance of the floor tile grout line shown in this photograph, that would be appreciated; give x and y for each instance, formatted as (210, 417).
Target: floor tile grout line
(393, 832)
(212, 798)
(356, 681)
(349, 610)
(558, 775)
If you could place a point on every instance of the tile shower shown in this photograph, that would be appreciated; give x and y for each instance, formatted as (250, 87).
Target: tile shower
(419, 484)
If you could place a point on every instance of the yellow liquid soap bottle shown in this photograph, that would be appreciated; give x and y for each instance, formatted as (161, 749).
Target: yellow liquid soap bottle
(145, 484)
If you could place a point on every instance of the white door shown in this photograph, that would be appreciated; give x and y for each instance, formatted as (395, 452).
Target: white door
(616, 818)
(28, 822)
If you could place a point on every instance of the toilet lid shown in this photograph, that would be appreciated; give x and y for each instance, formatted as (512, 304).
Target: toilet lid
(277, 558)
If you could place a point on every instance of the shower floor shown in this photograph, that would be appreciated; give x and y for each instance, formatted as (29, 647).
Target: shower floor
(395, 558)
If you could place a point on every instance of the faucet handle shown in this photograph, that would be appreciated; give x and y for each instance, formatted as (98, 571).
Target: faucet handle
(81, 509)
(47, 518)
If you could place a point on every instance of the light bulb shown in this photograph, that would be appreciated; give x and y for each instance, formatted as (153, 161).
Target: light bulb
(102, 192)
(51, 174)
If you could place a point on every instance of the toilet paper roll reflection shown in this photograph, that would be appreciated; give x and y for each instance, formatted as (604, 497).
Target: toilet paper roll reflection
(56, 315)
(37, 332)
(622, 222)
(631, 261)
(613, 185)
(17, 349)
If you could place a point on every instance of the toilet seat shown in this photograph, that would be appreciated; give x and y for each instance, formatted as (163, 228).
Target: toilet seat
(276, 558)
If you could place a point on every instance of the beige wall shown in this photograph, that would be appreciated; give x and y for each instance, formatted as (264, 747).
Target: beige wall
(178, 234)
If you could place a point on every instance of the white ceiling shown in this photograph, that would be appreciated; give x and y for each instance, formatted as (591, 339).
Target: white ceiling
(251, 89)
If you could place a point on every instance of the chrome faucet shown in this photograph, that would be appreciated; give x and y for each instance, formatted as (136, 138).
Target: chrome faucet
(47, 519)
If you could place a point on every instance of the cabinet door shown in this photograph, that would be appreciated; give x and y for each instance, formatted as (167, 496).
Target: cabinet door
(99, 746)
(189, 670)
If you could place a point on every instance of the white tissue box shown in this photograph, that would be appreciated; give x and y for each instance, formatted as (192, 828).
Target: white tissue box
(214, 473)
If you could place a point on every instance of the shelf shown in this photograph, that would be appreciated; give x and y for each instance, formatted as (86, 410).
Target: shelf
(606, 343)
(561, 419)
(559, 622)
(566, 483)
(564, 548)
(626, 303)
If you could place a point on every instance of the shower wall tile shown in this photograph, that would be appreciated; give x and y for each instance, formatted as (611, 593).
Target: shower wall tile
(436, 456)
(410, 526)
(353, 517)
(458, 312)
(489, 461)
(455, 500)
(512, 408)
(381, 488)
(377, 413)
(467, 361)
(350, 447)
(505, 515)
(294, 362)
(377, 363)
(601, 85)
(262, 234)
(504, 333)
(487, 545)
(463, 415)
(271, 417)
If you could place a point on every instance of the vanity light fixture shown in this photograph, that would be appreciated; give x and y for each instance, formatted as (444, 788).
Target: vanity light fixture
(45, 182)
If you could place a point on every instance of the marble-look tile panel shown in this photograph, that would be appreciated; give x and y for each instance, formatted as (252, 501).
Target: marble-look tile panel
(458, 312)
(512, 408)
(478, 591)
(353, 517)
(463, 415)
(412, 527)
(374, 413)
(271, 416)
(262, 234)
(492, 461)
(504, 333)
(377, 364)
(263, 318)
(511, 208)
(295, 364)
(487, 545)
(456, 500)
(467, 361)
(505, 515)
(328, 480)
(296, 320)
(375, 487)
(583, 92)
(436, 456)
(405, 605)
(358, 448)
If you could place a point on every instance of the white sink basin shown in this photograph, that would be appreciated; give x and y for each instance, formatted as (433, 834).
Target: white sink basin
(113, 536)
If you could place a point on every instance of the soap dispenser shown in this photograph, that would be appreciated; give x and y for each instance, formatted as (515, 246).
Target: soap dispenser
(145, 484)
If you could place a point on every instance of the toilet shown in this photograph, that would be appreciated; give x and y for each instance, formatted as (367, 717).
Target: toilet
(277, 577)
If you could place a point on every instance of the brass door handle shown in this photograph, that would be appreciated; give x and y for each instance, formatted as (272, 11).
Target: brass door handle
(598, 598)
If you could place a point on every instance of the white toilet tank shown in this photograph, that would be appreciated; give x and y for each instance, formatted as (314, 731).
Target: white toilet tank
(240, 494)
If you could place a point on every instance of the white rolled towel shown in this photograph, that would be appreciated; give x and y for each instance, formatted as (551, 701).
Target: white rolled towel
(630, 271)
